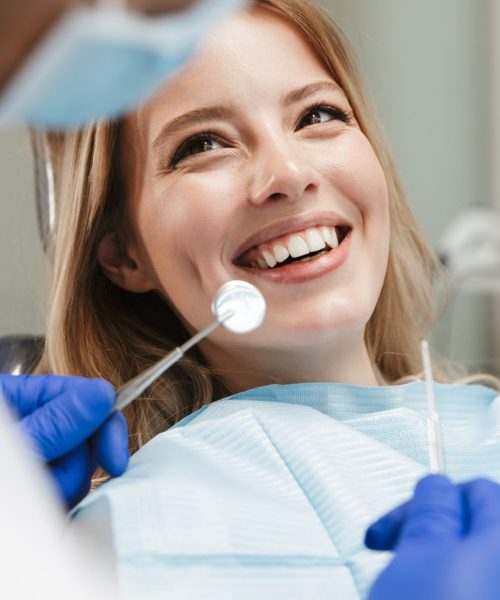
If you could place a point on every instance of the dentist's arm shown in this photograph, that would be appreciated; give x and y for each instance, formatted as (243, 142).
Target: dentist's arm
(446, 542)
(69, 424)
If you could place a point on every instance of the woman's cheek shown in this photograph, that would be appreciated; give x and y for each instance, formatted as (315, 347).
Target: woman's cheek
(370, 182)
(193, 211)
(353, 169)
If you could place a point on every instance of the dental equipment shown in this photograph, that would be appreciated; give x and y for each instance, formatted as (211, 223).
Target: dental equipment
(238, 305)
(470, 250)
(436, 456)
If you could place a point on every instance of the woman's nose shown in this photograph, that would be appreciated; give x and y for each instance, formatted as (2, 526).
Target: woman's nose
(281, 173)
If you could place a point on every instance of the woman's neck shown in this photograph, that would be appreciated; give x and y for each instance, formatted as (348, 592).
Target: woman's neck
(349, 363)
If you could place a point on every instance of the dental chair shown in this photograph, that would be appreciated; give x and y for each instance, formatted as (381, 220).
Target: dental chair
(20, 353)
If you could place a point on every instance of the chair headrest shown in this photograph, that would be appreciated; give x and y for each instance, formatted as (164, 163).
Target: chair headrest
(19, 354)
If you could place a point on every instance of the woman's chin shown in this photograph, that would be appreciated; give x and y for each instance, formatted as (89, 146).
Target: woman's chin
(309, 337)
(330, 319)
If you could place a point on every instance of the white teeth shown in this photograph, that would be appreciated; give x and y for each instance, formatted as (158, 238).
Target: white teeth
(310, 240)
(269, 258)
(329, 235)
(280, 253)
(297, 247)
(314, 240)
(326, 235)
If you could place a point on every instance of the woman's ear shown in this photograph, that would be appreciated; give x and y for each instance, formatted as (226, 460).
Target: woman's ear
(122, 269)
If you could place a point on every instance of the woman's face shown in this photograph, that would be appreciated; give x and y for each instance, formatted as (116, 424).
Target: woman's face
(248, 156)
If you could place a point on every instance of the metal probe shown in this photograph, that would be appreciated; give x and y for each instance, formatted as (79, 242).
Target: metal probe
(436, 455)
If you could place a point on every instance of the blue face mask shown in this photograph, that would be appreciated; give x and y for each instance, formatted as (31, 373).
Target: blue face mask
(100, 62)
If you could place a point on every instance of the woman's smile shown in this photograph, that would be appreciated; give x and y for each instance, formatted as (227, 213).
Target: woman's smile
(304, 268)
(296, 250)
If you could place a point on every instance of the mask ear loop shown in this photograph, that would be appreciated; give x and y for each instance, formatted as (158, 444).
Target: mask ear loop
(45, 189)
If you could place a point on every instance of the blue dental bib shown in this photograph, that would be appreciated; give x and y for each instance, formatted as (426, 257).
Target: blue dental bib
(267, 494)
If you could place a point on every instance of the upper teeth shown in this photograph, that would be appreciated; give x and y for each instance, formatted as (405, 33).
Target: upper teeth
(295, 245)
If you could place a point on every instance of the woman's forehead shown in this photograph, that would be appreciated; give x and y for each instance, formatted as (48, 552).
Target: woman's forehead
(253, 54)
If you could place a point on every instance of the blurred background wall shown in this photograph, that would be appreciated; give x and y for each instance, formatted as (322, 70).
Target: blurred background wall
(429, 69)
(495, 154)
(22, 264)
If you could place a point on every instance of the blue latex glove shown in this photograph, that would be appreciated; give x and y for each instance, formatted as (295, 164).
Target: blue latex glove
(68, 422)
(446, 540)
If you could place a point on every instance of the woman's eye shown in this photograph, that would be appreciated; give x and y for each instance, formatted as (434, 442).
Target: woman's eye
(196, 145)
(319, 114)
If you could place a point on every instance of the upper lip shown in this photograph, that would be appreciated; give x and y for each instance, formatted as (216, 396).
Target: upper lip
(289, 225)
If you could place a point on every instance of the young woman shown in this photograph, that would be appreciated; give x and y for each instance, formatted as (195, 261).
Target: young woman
(260, 161)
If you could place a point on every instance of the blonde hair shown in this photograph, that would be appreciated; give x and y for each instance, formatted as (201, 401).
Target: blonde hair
(96, 329)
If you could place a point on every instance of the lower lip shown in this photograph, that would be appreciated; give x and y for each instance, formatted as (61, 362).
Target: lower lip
(301, 272)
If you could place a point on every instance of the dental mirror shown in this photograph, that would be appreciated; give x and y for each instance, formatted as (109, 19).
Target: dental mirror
(246, 303)
(238, 305)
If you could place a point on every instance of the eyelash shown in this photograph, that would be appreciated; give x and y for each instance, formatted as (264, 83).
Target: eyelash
(209, 136)
(337, 113)
(180, 153)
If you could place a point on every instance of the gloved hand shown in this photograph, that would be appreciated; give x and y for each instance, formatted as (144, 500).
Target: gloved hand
(67, 420)
(446, 540)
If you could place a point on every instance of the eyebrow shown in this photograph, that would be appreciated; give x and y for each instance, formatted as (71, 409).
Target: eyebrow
(219, 113)
(193, 117)
(309, 90)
